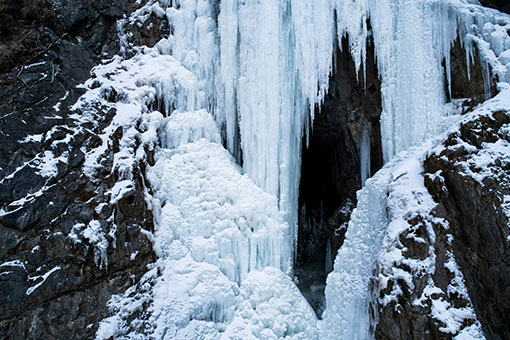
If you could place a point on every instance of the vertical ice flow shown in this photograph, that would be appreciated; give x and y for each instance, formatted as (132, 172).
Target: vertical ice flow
(365, 155)
(261, 68)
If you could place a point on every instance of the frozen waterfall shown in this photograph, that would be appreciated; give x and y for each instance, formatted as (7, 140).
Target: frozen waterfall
(249, 75)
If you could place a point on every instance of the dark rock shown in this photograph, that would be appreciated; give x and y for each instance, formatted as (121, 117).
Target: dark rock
(501, 5)
(474, 210)
(404, 318)
(469, 223)
(46, 49)
(13, 280)
(331, 163)
(467, 85)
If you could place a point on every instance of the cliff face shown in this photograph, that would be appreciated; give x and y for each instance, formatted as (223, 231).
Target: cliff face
(453, 269)
(64, 246)
(454, 263)
(71, 235)
(470, 178)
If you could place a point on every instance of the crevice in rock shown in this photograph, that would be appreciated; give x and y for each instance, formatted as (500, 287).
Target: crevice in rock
(467, 83)
(345, 132)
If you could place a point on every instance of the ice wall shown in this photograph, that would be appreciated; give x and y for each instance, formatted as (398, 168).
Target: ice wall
(347, 301)
(365, 156)
(260, 93)
(264, 70)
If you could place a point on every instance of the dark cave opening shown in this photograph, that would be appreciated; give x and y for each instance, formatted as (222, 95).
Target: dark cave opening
(345, 131)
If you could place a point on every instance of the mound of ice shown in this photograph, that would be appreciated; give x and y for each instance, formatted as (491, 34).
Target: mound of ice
(186, 127)
(213, 227)
(217, 213)
(272, 307)
(190, 291)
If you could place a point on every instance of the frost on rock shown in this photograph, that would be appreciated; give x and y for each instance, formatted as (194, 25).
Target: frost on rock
(30, 290)
(96, 237)
(411, 261)
(473, 161)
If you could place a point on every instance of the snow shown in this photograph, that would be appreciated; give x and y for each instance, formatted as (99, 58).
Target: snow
(453, 317)
(56, 107)
(121, 189)
(94, 233)
(44, 277)
(19, 203)
(132, 301)
(13, 263)
(472, 332)
(506, 209)
(47, 163)
(138, 83)
(33, 138)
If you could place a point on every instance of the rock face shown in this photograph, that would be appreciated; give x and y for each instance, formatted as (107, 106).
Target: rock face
(434, 303)
(464, 239)
(454, 269)
(474, 196)
(65, 247)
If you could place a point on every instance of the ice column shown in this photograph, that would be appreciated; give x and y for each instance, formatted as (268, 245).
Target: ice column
(365, 155)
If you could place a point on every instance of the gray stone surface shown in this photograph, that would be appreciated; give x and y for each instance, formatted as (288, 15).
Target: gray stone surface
(61, 289)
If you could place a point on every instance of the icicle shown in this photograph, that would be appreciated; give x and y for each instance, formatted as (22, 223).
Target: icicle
(365, 155)
(329, 260)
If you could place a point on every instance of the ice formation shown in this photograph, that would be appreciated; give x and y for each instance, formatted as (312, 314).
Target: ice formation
(365, 156)
(250, 74)
(347, 288)
(272, 311)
